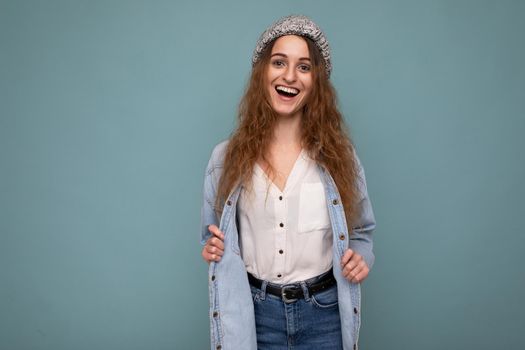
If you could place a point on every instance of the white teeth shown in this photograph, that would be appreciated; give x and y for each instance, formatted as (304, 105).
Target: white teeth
(287, 89)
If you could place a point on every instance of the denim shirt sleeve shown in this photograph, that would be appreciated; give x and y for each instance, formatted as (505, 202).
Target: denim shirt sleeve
(361, 237)
(209, 192)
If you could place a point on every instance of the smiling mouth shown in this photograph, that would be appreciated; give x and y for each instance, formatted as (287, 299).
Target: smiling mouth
(286, 91)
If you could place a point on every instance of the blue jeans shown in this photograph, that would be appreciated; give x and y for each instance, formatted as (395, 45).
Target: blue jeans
(309, 323)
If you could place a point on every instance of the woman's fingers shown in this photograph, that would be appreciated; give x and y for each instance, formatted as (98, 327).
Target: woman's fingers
(206, 255)
(346, 257)
(361, 275)
(211, 254)
(354, 267)
(214, 248)
(349, 267)
(216, 232)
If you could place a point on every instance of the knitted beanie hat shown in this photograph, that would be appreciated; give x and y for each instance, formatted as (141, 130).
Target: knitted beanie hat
(294, 25)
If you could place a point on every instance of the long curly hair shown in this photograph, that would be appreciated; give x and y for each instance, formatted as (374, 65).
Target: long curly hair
(324, 134)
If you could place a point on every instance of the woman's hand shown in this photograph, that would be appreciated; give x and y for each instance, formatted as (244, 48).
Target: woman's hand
(354, 267)
(214, 247)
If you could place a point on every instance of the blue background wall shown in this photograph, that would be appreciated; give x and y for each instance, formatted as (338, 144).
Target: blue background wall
(109, 111)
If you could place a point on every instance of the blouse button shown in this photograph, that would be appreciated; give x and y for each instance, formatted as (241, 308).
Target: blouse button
(281, 251)
(280, 198)
(281, 224)
(342, 237)
(279, 275)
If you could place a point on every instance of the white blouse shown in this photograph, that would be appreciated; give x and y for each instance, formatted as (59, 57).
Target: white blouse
(286, 236)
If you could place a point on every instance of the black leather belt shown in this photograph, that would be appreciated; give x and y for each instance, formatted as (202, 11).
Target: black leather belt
(293, 291)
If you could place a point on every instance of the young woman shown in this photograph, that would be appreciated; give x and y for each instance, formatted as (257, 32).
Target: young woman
(286, 219)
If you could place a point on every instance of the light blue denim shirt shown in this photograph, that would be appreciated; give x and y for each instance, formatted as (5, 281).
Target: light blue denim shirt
(232, 321)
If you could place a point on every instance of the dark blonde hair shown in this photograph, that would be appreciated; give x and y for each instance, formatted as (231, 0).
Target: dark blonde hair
(323, 134)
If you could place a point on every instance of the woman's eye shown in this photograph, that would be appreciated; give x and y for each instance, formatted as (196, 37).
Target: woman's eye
(304, 68)
(278, 63)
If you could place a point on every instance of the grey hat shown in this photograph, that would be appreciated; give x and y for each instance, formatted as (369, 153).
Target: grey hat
(294, 25)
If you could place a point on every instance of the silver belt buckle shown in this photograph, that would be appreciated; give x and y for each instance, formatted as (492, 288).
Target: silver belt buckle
(283, 294)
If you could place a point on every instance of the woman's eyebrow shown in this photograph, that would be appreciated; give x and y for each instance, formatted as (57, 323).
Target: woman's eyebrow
(283, 55)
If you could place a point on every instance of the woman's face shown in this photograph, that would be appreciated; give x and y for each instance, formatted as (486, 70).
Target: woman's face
(289, 75)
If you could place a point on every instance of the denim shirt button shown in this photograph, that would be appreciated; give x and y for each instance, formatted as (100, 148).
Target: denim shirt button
(220, 347)
(335, 202)
(215, 314)
(355, 310)
(355, 346)
(229, 203)
(213, 278)
(342, 237)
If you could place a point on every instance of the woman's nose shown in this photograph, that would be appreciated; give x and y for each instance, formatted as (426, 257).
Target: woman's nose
(289, 75)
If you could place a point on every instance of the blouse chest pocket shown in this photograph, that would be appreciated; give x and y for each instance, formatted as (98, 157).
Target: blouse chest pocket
(313, 213)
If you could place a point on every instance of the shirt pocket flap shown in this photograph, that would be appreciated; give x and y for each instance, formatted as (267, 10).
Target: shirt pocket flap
(313, 213)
